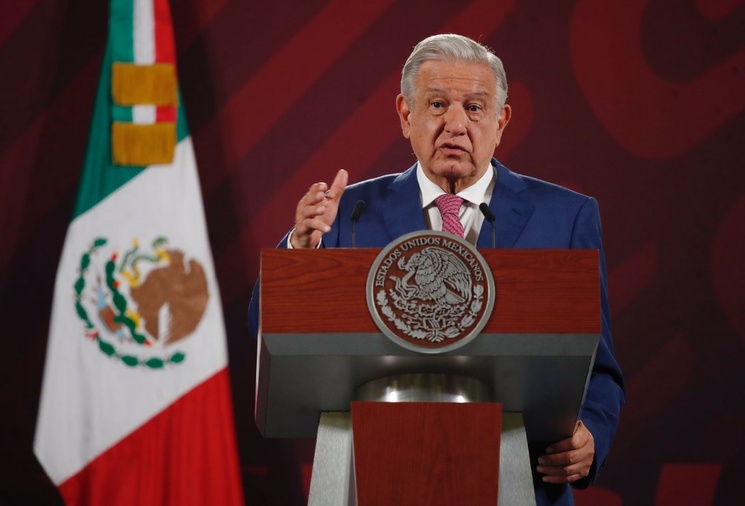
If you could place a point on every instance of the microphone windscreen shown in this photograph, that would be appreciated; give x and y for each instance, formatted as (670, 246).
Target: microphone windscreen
(484, 207)
(359, 206)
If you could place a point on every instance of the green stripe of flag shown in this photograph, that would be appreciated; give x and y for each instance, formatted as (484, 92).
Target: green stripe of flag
(121, 30)
(122, 113)
(100, 177)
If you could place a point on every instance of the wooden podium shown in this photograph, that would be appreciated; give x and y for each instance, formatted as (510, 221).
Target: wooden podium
(320, 351)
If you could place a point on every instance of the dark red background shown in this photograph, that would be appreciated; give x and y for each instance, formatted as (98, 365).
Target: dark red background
(639, 103)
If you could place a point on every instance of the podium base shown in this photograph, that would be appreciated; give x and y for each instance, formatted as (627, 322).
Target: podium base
(515, 475)
(333, 481)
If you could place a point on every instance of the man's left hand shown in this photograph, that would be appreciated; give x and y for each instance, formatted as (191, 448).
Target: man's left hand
(568, 460)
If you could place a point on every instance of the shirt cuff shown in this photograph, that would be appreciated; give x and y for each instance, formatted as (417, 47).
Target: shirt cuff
(289, 241)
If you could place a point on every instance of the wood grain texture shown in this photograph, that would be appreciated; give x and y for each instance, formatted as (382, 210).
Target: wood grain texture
(537, 291)
(427, 453)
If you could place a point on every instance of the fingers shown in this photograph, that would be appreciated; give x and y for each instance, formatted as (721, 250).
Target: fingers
(579, 438)
(568, 460)
(565, 467)
(309, 225)
(339, 185)
(316, 210)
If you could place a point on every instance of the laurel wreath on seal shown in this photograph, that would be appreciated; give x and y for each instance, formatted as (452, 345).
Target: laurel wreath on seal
(120, 303)
(435, 335)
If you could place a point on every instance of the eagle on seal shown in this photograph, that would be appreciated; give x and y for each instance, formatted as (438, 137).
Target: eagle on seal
(438, 275)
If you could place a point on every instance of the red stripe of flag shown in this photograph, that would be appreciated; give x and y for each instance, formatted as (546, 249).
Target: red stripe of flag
(165, 50)
(197, 469)
(165, 114)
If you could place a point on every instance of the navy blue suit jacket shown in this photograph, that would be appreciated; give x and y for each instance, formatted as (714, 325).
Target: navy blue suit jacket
(530, 213)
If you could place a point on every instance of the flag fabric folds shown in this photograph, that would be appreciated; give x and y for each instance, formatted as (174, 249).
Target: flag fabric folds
(135, 405)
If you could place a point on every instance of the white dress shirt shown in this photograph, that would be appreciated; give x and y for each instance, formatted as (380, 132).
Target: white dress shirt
(470, 215)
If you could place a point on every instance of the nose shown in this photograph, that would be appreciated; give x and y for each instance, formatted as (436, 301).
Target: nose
(455, 121)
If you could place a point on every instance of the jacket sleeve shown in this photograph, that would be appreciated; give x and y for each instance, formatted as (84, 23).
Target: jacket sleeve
(253, 305)
(605, 392)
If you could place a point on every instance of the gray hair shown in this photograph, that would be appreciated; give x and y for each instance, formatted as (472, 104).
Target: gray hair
(452, 47)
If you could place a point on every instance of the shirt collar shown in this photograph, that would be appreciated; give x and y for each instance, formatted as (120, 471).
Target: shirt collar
(474, 194)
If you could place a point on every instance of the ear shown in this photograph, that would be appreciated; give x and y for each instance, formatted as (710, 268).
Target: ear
(504, 117)
(402, 107)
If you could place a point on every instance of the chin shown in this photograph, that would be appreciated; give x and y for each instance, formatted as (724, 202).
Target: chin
(455, 170)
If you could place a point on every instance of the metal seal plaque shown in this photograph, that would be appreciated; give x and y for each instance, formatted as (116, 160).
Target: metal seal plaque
(430, 292)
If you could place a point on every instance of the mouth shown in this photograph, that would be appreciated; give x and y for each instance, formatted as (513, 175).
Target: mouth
(452, 149)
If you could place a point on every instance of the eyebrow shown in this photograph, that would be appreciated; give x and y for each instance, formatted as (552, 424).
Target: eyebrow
(475, 94)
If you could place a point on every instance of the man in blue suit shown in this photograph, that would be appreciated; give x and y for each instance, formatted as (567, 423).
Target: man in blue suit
(453, 110)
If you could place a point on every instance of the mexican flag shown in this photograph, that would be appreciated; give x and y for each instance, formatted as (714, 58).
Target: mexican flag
(135, 405)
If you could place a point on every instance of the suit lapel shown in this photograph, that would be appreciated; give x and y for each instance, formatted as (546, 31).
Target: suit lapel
(403, 212)
(512, 212)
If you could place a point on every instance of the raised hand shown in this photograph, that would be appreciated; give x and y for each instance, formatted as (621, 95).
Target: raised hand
(317, 210)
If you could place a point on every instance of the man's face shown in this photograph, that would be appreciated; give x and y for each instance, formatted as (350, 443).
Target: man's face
(454, 124)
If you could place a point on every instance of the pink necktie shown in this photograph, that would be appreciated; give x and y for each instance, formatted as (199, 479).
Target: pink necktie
(449, 206)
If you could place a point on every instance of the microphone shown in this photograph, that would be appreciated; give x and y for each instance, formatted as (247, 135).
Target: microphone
(489, 216)
(359, 206)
